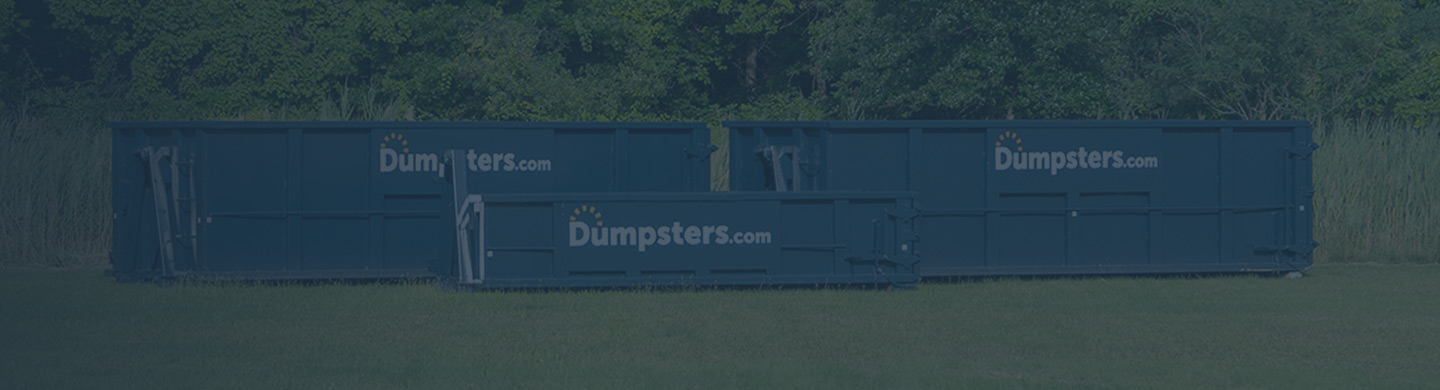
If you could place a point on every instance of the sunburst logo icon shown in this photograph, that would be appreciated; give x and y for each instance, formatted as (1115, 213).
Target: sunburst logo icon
(1007, 138)
(396, 139)
(586, 212)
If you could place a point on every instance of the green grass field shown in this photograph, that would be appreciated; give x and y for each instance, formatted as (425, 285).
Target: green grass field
(1342, 326)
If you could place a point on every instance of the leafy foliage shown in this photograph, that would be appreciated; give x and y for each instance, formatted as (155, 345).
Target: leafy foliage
(10, 23)
(668, 59)
(1408, 85)
(1256, 60)
(944, 59)
(210, 58)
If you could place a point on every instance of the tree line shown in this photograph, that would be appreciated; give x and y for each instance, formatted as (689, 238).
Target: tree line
(602, 60)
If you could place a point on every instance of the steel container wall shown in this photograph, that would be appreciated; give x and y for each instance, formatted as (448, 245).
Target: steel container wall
(1062, 197)
(355, 199)
(587, 240)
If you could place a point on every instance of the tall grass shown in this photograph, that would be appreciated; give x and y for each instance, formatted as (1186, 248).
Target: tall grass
(54, 190)
(1377, 198)
(720, 160)
(55, 170)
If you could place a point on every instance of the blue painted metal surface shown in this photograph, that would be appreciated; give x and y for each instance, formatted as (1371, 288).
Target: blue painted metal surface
(714, 239)
(1062, 197)
(299, 200)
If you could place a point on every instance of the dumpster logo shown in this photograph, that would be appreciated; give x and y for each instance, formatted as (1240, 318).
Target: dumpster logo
(587, 229)
(1057, 160)
(395, 156)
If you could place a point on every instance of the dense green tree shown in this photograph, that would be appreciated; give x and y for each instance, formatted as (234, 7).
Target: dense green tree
(768, 51)
(972, 59)
(554, 61)
(10, 23)
(602, 60)
(209, 58)
(1252, 60)
(1408, 84)
(712, 59)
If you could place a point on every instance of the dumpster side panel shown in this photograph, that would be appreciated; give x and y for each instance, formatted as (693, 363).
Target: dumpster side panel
(246, 223)
(867, 160)
(650, 153)
(525, 249)
(580, 146)
(675, 239)
(798, 219)
(1192, 237)
(335, 237)
(952, 169)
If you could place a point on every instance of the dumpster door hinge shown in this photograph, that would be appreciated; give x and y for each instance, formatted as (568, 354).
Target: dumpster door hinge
(1303, 151)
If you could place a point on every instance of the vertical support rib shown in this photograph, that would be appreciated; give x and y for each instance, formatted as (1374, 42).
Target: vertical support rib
(992, 214)
(622, 160)
(736, 171)
(294, 199)
(838, 236)
(1226, 209)
(1072, 230)
(478, 202)
(916, 162)
(194, 217)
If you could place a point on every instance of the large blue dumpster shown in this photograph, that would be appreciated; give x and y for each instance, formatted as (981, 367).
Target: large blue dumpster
(1061, 197)
(355, 199)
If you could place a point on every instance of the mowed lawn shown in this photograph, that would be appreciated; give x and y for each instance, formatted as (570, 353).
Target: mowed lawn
(1339, 327)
